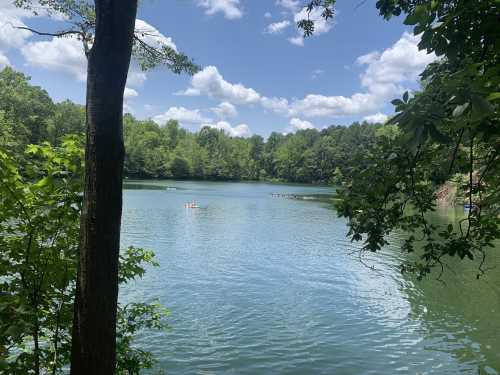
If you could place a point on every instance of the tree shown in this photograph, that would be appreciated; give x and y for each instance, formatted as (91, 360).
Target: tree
(451, 126)
(39, 225)
(39, 221)
(94, 332)
(68, 118)
(107, 33)
(29, 107)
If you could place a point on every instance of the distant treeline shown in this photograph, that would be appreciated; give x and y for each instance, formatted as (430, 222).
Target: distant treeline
(29, 116)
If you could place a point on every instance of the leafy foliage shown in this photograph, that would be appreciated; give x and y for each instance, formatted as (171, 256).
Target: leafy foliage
(306, 156)
(450, 127)
(40, 205)
(39, 222)
(327, 6)
(28, 107)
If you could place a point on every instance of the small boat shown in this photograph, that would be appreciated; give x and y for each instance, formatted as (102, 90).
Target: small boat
(192, 204)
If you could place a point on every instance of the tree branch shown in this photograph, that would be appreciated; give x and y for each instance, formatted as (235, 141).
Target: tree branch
(58, 34)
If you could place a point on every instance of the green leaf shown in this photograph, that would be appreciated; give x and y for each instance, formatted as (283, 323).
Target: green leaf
(481, 108)
(418, 16)
(43, 182)
(493, 96)
(460, 109)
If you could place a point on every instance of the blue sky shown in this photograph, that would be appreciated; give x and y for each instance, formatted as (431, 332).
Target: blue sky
(258, 76)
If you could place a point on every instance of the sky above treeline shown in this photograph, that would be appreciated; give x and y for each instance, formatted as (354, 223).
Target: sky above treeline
(258, 75)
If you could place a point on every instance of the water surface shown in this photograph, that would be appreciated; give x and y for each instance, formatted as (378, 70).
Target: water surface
(264, 285)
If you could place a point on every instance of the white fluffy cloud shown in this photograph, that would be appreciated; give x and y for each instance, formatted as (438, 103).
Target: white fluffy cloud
(321, 26)
(241, 130)
(58, 54)
(298, 124)
(377, 118)
(4, 61)
(277, 105)
(225, 110)
(67, 54)
(290, 5)
(297, 40)
(130, 93)
(387, 71)
(10, 36)
(136, 77)
(314, 105)
(277, 27)
(211, 83)
(181, 114)
(230, 8)
(268, 15)
(150, 35)
(385, 76)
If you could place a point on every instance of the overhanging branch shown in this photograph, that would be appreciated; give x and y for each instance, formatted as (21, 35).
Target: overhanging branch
(57, 34)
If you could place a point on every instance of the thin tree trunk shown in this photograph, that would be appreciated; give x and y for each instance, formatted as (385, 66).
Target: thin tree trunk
(36, 351)
(94, 327)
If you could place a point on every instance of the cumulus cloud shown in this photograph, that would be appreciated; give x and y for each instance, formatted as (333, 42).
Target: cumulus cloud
(225, 110)
(290, 5)
(267, 15)
(230, 8)
(277, 27)
(130, 93)
(314, 105)
(277, 105)
(211, 83)
(377, 118)
(136, 77)
(386, 74)
(67, 54)
(387, 71)
(321, 26)
(58, 54)
(150, 35)
(10, 37)
(4, 61)
(241, 130)
(181, 114)
(298, 124)
(297, 40)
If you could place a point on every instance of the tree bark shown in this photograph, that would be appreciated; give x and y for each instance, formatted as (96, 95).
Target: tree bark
(94, 327)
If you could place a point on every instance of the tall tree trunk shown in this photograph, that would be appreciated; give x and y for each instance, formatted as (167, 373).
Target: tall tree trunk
(94, 327)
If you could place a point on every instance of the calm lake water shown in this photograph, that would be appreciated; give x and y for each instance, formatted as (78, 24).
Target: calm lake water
(265, 285)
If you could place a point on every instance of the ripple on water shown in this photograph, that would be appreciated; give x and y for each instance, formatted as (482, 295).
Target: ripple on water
(261, 285)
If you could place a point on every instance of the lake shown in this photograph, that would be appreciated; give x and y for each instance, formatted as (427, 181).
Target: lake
(258, 284)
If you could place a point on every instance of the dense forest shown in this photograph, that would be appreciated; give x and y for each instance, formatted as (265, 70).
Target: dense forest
(29, 116)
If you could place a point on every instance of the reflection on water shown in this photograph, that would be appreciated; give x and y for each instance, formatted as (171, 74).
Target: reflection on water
(258, 284)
